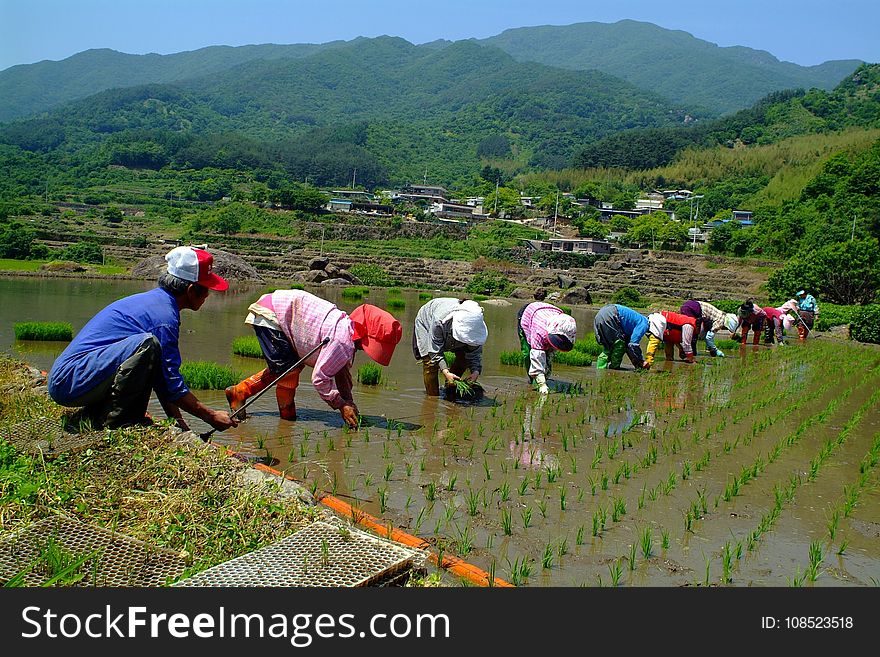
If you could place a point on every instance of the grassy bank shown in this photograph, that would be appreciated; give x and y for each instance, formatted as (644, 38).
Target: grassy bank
(142, 483)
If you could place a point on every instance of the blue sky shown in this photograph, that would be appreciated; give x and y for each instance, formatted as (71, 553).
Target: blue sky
(802, 31)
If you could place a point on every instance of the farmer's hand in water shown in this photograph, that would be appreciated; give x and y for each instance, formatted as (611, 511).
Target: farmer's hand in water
(473, 377)
(350, 416)
(450, 377)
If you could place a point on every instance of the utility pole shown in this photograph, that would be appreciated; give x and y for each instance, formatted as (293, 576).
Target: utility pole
(353, 175)
(496, 198)
(853, 235)
(556, 212)
(426, 176)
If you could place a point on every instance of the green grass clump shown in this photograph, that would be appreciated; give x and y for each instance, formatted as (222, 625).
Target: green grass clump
(726, 344)
(513, 358)
(43, 331)
(247, 346)
(393, 291)
(480, 297)
(396, 304)
(203, 375)
(10, 264)
(565, 309)
(449, 357)
(355, 293)
(370, 374)
(425, 296)
(573, 357)
(588, 345)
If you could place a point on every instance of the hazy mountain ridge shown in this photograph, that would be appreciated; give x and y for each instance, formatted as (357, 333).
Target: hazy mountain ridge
(685, 70)
(673, 63)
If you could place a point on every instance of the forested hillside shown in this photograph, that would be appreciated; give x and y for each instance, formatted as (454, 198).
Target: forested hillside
(672, 63)
(854, 102)
(33, 88)
(382, 106)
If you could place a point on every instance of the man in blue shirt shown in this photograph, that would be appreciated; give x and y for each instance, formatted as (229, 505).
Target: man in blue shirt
(130, 349)
(808, 310)
(619, 330)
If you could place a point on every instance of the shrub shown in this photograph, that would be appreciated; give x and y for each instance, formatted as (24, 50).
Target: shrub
(247, 346)
(627, 296)
(372, 275)
(43, 331)
(865, 325)
(202, 375)
(87, 252)
(491, 283)
(369, 374)
(833, 315)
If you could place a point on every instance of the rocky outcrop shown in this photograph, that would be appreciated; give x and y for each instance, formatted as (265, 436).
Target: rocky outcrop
(228, 265)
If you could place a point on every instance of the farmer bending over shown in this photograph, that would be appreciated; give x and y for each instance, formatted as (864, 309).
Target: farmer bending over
(130, 349)
(751, 316)
(543, 328)
(710, 320)
(447, 324)
(293, 322)
(674, 329)
(619, 330)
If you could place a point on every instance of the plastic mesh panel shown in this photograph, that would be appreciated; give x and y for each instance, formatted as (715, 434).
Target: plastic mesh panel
(49, 546)
(44, 435)
(319, 555)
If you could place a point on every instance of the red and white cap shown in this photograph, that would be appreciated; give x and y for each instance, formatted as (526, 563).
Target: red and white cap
(194, 265)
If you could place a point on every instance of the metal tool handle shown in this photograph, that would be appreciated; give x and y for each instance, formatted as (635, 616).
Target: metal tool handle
(207, 435)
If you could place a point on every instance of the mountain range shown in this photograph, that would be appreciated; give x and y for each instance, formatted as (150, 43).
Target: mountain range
(684, 70)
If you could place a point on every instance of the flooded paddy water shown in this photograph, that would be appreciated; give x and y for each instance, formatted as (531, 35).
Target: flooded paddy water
(756, 469)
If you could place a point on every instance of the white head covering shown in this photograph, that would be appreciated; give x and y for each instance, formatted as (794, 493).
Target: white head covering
(787, 322)
(731, 322)
(563, 324)
(656, 325)
(468, 326)
(791, 304)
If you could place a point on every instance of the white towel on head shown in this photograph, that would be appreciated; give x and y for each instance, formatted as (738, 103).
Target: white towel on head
(565, 325)
(656, 325)
(468, 326)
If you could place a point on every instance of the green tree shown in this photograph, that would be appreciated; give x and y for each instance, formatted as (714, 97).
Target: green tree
(592, 228)
(657, 230)
(508, 202)
(87, 252)
(845, 273)
(17, 241)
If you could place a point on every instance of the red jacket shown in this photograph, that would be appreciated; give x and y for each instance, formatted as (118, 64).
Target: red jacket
(674, 322)
(774, 313)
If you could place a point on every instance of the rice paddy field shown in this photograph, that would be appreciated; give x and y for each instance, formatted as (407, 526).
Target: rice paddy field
(759, 469)
(753, 470)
